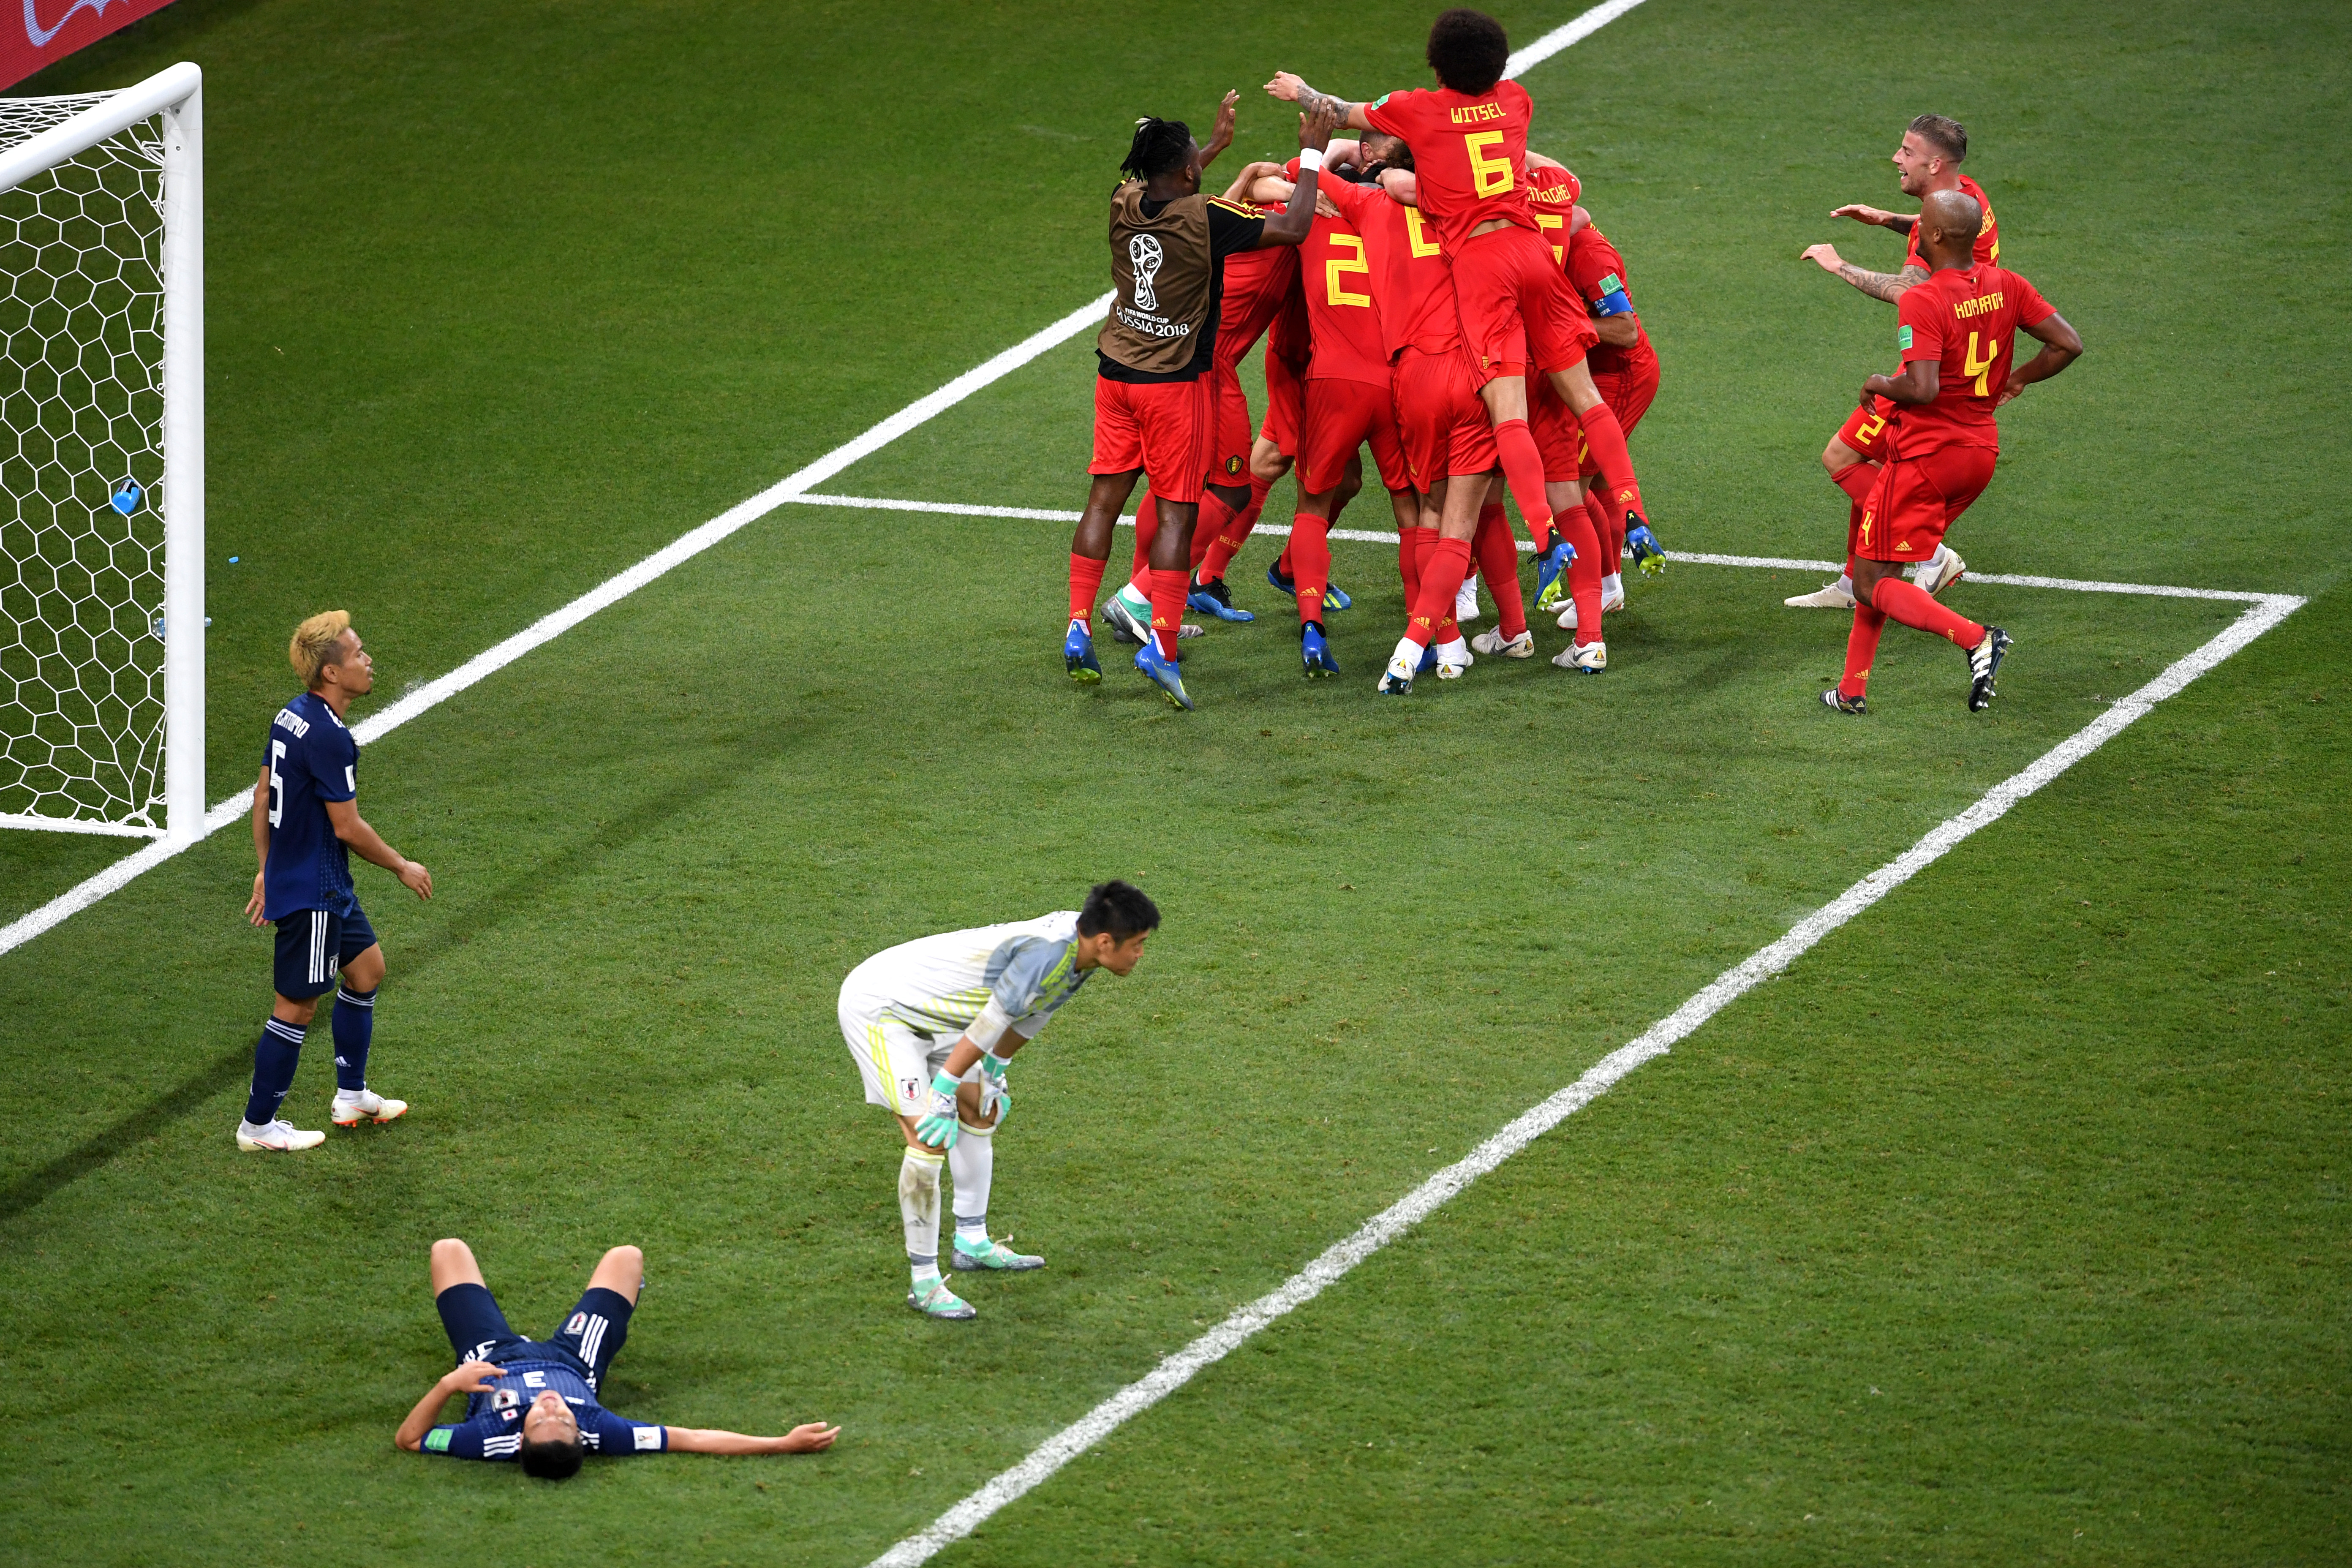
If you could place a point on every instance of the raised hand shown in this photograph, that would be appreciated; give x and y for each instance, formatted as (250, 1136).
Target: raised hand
(1285, 86)
(1824, 257)
(1315, 127)
(1221, 136)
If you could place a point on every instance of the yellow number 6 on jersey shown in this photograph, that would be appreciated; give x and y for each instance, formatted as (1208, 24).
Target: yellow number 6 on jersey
(1489, 176)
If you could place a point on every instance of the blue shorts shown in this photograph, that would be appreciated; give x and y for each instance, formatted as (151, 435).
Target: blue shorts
(591, 1335)
(313, 945)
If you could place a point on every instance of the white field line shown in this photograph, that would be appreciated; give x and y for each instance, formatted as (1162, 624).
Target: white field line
(1369, 536)
(1303, 1287)
(1552, 43)
(433, 693)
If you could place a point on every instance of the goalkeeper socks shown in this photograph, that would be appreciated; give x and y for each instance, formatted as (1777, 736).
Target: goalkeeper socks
(972, 1164)
(1861, 648)
(1523, 473)
(275, 1057)
(354, 1029)
(1606, 440)
(918, 1207)
(1086, 582)
(1917, 609)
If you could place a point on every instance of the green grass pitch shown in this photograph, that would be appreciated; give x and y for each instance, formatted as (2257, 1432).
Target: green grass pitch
(2010, 1226)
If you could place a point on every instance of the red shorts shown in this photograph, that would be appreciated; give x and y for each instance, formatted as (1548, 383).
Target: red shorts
(1864, 429)
(1286, 391)
(1558, 435)
(1629, 394)
(1443, 428)
(1230, 464)
(1341, 416)
(1916, 499)
(1167, 428)
(1517, 307)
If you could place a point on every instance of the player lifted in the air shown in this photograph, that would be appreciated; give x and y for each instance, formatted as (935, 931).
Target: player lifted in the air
(1155, 390)
(306, 820)
(1957, 339)
(931, 1024)
(1928, 160)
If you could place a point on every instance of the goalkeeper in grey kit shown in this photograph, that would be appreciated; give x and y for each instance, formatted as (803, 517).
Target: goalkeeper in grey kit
(932, 1023)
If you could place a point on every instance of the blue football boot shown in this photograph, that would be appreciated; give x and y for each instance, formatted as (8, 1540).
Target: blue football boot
(1214, 598)
(1551, 572)
(1644, 546)
(1078, 654)
(1315, 652)
(1162, 673)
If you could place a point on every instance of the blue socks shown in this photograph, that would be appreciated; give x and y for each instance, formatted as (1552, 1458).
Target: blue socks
(354, 1026)
(275, 1057)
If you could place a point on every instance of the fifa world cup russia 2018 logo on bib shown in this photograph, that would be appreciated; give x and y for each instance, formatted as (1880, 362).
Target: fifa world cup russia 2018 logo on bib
(1143, 252)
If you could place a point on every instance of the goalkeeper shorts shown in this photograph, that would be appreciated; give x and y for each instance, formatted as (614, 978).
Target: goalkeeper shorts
(896, 1061)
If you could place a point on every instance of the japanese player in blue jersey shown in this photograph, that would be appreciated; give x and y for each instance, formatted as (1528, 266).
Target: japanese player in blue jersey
(948, 1012)
(306, 822)
(535, 1401)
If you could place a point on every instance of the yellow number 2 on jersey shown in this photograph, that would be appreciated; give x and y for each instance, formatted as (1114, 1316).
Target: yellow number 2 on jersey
(1982, 368)
(1338, 263)
(1489, 176)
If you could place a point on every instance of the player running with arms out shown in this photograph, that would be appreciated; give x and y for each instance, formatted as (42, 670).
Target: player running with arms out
(1956, 335)
(1469, 146)
(535, 1401)
(1155, 393)
(306, 822)
(1926, 161)
(932, 1023)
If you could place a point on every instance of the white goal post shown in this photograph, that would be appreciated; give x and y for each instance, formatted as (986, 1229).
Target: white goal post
(103, 460)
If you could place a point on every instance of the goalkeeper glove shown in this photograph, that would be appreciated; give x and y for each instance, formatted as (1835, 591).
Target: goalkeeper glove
(937, 1129)
(993, 1094)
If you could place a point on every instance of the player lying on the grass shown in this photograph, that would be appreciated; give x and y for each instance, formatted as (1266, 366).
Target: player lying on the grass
(931, 1024)
(1926, 161)
(1155, 393)
(306, 820)
(535, 1400)
(1957, 335)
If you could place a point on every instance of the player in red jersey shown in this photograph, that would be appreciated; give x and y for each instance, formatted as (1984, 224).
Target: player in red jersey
(1957, 335)
(1926, 161)
(1625, 370)
(1154, 394)
(1469, 142)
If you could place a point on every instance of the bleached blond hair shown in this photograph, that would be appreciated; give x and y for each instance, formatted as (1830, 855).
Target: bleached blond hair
(315, 642)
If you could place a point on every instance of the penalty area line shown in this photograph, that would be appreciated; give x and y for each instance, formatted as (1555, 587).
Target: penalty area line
(1180, 1368)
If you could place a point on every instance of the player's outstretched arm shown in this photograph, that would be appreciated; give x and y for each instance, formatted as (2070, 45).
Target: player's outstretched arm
(1899, 221)
(2062, 345)
(1289, 226)
(474, 1377)
(1222, 135)
(355, 831)
(809, 1437)
(1886, 285)
(1289, 86)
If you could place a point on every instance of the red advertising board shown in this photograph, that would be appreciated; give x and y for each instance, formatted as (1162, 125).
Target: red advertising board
(49, 30)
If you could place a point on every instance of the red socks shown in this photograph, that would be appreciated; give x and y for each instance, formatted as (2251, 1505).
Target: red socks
(1229, 541)
(1523, 472)
(1915, 606)
(1583, 573)
(1607, 439)
(1209, 524)
(1310, 561)
(1169, 587)
(1146, 527)
(1413, 545)
(1608, 527)
(1857, 480)
(1086, 582)
(1498, 562)
(1861, 648)
(1441, 579)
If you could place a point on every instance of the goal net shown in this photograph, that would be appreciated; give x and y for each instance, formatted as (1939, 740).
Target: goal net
(102, 462)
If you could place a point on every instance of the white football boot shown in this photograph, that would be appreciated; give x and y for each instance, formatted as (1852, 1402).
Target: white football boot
(1396, 680)
(1941, 570)
(1494, 645)
(1585, 658)
(1828, 597)
(280, 1137)
(351, 1108)
(1466, 603)
(1609, 601)
(1453, 660)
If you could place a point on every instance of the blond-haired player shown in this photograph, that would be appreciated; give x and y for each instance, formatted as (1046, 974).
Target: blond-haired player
(931, 1024)
(306, 820)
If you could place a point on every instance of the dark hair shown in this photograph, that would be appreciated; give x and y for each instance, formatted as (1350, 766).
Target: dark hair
(1118, 908)
(1161, 147)
(552, 1459)
(1948, 134)
(1468, 50)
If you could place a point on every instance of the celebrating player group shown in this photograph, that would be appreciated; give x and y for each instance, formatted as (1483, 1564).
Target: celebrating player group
(1436, 291)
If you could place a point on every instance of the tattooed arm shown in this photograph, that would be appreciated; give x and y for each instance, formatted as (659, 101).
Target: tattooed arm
(1343, 110)
(1886, 285)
